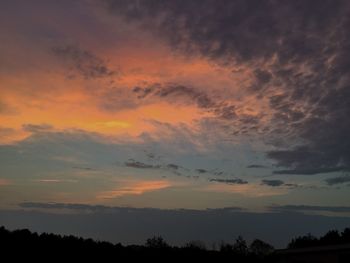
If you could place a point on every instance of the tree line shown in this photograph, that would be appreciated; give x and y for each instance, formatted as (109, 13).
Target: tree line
(23, 242)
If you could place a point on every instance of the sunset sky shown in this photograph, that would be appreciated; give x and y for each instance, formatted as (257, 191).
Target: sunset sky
(191, 105)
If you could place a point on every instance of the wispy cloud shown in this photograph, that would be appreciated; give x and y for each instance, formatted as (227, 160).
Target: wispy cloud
(338, 180)
(272, 182)
(256, 166)
(228, 181)
(55, 180)
(4, 182)
(141, 165)
(249, 190)
(34, 128)
(135, 188)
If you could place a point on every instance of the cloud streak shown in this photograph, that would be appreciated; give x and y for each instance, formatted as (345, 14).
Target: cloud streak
(140, 165)
(229, 181)
(338, 180)
(135, 188)
(272, 183)
(310, 208)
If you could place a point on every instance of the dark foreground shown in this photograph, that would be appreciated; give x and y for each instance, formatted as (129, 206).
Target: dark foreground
(25, 245)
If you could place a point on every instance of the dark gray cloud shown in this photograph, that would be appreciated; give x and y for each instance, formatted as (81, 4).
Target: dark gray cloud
(173, 166)
(305, 208)
(201, 171)
(229, 181)
(256, 166)
(141, 165)
(176, 91)
(83, 62)
(182, 94)
(272, 182)
(311, 171)
(135, 225)
(79, 207)
(338, 180)
(103, 208)
(299, 55)
(34, 128)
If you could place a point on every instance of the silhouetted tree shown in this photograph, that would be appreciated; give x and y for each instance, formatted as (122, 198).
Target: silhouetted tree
(226, 247)
(330, 238)
(30, 245)
(195, 245)
(260, 248)
(240, 246)
(156, 242)
(303, 241)
(345, 235)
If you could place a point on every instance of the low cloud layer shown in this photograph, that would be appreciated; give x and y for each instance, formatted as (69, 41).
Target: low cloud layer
(309, 208)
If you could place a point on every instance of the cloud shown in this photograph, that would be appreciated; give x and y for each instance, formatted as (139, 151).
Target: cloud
(5, 131)
(201, 99)
(55, 180)
(256, 166)
(312, 171)
(10, 135)
(83, 62)
(135, 188)
(34, 128)
(308, 208)
(84, 168)
(6, 109)
(4, 181)
(297, 57)
(251, 190)
(140, 165)
(77, 207)
(224, 109)
(173, 166)
(201, 171)
(103, 208)
(306, 162)
(338, 180)
(229, 181)
(272, 183)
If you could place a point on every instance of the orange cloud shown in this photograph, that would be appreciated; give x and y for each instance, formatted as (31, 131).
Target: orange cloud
(47, 94)
(135, 188)
(4, 182)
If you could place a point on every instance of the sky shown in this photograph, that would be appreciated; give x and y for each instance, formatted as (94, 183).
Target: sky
(234, 109)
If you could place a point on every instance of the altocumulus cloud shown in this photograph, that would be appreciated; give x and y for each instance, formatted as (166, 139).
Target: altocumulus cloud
(298, 56)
